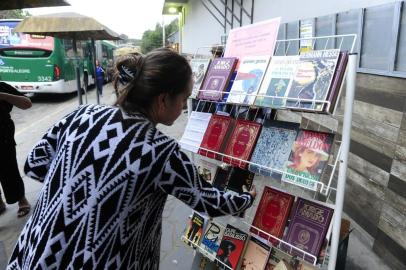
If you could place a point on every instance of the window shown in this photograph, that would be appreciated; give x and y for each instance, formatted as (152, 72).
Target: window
(324, 27)
(347, 23)
(377, 37)
(400, 64)
(292, 31)
(281, 46)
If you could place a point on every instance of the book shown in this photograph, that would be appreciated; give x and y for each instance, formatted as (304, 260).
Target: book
(231, 247)
(238, 178)
(242, 142)
(194, 131)
(248, 80)
(217, 78)
(272, 214)
(221, 178)
(194, 230)
(279, 260)
(217, 130)
(307, 229)
(273, 147)
(312, 79)
(277, 78)
(211, 240)
(199, 68)
(308, 158)
(336, 84)
(255, 256)
(206, 168)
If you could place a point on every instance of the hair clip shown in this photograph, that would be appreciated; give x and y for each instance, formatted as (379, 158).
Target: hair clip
(125, 74)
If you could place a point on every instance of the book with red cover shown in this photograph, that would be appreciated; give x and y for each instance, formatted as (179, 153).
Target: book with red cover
(217, 78)
(336, 84)
(272, 213)
(231, 247)
(214, 136)
(308, 227)
(242, 142)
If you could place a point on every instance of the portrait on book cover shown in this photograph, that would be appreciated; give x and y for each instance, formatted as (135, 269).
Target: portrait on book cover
(277, 88)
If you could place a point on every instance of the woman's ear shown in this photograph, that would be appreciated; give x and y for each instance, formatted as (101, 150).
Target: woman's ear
(162, 102)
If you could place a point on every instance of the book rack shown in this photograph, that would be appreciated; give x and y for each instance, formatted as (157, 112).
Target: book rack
(283, 47)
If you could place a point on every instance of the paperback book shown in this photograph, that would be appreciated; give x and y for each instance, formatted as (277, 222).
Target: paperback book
(272, 214)
(206, 168)
(256, 255)
(279, 260)
(194, 230)
(308, 227)
(312, 80)
(238, 178)
(273, 147)
(231, 247)
(308, 158)
(211, 240)
(217, 79)
(194, 131)
(248, 80)
(199, 68)
(278, 77)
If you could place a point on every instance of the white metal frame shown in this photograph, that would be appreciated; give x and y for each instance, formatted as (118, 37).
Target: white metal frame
(342, 155)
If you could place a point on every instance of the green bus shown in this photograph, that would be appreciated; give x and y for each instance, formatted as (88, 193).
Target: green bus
(43, 64)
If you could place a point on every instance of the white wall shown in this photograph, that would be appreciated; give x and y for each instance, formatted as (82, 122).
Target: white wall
(201, 29)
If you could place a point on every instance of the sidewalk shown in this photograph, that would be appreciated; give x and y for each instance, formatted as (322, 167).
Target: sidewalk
(174, 253)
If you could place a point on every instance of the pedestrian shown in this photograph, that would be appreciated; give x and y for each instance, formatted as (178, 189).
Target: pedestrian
(10, 178)
(107, 172)
(99, 78)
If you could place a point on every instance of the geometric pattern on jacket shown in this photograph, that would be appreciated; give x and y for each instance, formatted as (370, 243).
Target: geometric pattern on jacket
(106, 178)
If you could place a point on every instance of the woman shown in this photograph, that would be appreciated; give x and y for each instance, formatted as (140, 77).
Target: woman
(10, 178)
(306, 159)
(107, 172)
(99, 78)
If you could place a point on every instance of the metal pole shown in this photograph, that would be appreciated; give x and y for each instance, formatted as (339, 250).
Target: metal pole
(75, 52)
(94, 69)
(345, 148)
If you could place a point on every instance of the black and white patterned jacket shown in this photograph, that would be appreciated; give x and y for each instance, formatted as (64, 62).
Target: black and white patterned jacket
(106, 178)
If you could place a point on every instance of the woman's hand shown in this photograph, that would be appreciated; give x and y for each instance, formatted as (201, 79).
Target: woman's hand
(21, 102)
(253, 190)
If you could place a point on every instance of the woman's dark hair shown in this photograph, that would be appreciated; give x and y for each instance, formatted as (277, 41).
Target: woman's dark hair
(140, 78)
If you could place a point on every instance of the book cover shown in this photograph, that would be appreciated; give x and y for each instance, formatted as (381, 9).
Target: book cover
(277, 78)
(199, 68)
(231, 247)
(272, 214)
(273, 147)
(194, 131)
(308, 158)
(194, 230)
(248, 80)
(282, 260)
(238, 178)
(211, 240)
(312, 79)
(242, 142)
(308, 227)
(336, 84)
(213, 138)
(206, 168)
(217, 78)
(221, 178)
(255, 256)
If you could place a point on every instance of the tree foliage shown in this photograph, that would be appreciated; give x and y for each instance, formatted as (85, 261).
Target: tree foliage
(14, 14)
(152, 39)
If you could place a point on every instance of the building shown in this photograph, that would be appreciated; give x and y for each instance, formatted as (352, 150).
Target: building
(375, 198)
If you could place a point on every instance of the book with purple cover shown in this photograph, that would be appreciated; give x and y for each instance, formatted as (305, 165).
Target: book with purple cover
(308, 227)
(336, 84)
(217, 78)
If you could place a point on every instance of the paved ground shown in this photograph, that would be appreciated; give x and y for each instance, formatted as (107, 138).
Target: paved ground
(174, 253)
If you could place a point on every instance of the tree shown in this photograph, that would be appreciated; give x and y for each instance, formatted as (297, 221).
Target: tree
(152, 39)
(14, 14)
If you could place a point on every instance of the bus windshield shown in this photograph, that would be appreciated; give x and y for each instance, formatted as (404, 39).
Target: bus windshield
(19, 41)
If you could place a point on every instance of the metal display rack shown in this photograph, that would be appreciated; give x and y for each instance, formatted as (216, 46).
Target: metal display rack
(341, 158)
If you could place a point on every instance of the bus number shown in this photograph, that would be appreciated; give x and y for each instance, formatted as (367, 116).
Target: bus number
(44, 78)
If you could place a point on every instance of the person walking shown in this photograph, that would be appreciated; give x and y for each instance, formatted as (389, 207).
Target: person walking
(10, 178)
(99, 78)
(108, 170)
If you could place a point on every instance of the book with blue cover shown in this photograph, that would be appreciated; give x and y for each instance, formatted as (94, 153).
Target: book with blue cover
(273, 147)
